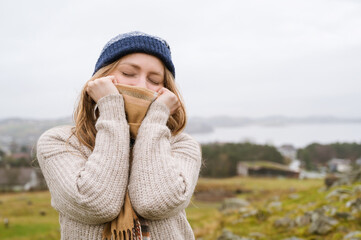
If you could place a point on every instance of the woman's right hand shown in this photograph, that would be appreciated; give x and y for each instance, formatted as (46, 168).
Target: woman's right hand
(101, 87)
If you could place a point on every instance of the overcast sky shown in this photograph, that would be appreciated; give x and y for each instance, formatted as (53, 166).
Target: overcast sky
(249, 58)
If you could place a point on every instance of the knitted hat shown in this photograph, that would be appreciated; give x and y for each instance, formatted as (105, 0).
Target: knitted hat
(135, 42)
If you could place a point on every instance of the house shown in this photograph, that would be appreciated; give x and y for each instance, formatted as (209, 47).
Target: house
(265, 169)
(21, 179)
(312, 175)
(339, 165)
(288, 151)
(358, 161)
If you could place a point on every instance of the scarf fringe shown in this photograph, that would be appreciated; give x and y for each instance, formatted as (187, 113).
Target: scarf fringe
(121, 235)
(127, 234)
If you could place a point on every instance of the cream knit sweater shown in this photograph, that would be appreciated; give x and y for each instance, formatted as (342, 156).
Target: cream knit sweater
(88, 187)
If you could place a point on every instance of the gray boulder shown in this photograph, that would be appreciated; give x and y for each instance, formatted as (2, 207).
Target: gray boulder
(283, 222)
(232, 204)
(303, 220)
(321, 224)
(353, 236)
(228, 235)
(355, 205)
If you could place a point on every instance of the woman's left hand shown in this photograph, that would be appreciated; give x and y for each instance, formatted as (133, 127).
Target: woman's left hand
(169, 99)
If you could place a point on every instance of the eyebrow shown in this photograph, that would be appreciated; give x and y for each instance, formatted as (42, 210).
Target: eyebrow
(138, 67)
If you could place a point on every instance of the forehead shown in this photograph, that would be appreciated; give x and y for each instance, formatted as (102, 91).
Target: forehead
(142, 59)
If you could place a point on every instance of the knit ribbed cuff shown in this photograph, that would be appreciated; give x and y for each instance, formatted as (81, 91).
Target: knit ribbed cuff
(158, 112)
(112, 107)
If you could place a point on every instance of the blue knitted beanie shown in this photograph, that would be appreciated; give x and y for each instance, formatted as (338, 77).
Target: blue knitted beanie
(135, 42)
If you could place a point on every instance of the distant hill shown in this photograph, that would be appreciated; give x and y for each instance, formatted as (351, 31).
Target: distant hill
(203, 125)
(27, 131)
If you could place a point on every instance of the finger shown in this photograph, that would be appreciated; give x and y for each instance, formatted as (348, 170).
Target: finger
(113, 79)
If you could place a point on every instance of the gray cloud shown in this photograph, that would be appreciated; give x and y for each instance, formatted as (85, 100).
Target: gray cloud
(241, 58)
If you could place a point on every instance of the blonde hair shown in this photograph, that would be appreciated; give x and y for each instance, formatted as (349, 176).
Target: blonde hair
(85, 117)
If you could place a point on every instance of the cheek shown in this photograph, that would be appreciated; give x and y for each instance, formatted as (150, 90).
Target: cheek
(153, 88)
(121, 79)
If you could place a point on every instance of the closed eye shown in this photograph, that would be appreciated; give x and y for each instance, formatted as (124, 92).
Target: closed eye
(128, 74)
(154, 82)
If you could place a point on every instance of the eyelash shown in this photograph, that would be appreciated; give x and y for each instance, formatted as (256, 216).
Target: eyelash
(156, 83)
(131, 75)
(127, 74)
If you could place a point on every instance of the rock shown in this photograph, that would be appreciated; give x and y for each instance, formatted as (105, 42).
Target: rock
(236, 221)
(283, 222)
(339, 194)
(6, 222)
(232, 204)
(321, 224)
(350, 203)
(355, 205)
(262, 215)
(244, 210)
(294, 196)
(250, 213)
(274, 206)
(257, 235)
(349, 178)
(353, 236)
(228, 235)
(303, 220)
(329, 210)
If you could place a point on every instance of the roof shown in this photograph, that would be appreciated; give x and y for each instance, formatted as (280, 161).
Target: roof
(255, 165)
(339, 161)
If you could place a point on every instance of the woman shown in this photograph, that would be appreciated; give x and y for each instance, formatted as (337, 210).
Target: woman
(125, 170)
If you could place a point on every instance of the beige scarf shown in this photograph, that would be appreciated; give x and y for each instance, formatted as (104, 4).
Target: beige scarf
(127, 225)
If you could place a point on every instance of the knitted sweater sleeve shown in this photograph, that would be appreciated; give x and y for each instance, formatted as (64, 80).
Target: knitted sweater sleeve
(164, 171)
(90, 189)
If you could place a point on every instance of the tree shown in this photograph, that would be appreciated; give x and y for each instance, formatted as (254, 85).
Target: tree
(221, 160)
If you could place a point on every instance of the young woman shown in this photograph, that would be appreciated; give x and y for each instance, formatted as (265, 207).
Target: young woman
(125, 170)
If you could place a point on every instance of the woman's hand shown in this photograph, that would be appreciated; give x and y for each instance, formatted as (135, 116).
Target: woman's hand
(101, 87)
(169, 98)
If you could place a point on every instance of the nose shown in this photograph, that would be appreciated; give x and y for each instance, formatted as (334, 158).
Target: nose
(142, 80)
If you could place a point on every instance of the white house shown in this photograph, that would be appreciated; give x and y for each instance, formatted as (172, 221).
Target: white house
(339, 165)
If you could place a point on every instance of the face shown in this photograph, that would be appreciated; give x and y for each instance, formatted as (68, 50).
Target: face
(140, 70)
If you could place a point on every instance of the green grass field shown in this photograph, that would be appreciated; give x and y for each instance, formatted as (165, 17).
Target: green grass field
(27, 220)
(25, 212)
